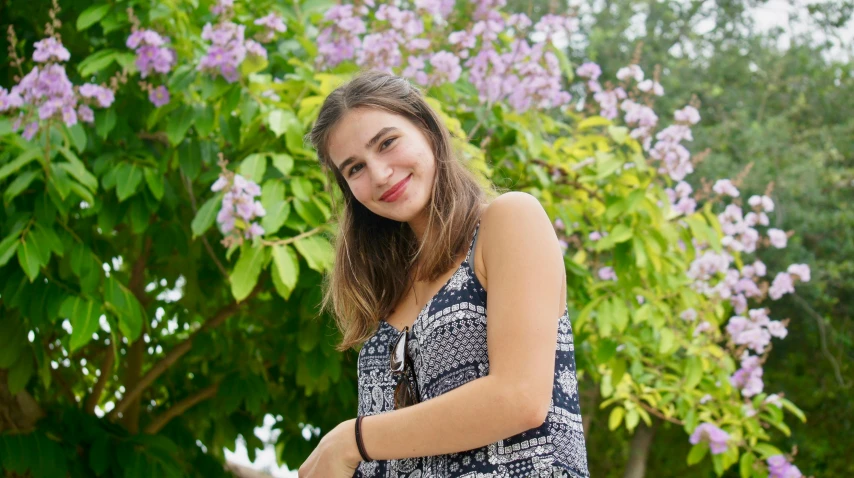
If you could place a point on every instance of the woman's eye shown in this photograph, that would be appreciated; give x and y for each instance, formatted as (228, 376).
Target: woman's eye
(353, 170)
(387, 143)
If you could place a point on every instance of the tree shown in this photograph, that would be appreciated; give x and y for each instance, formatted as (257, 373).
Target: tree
(115, 289)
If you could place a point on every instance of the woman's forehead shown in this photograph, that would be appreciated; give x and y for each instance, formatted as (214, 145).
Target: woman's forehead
(357, 127)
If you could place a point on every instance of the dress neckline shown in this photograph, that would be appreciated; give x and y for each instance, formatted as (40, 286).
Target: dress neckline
(427, 305)
(444, 286)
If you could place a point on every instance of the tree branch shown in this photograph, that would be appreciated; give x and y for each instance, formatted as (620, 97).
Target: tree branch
(164, 418)
(823, 339)
(189, 188)
(282, 242)
(106, 373)
(136, 352)
(658, 413)
(176, 353)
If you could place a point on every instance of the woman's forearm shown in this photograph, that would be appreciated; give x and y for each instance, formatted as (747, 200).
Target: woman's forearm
(473, 415)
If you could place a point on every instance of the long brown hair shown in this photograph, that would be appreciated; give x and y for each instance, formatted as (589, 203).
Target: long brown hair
(375, 256)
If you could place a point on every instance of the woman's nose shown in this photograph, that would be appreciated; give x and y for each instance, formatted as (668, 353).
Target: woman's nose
(381, 173)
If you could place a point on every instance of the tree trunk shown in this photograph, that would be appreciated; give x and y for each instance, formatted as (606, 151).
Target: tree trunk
(641, 444)
(18, 412)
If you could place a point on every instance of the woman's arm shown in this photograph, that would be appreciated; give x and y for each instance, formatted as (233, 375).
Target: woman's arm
(524, 267)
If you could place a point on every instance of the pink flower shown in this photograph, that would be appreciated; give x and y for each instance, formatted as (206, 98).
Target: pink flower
(632, 71)
(159, 96)
(50, 49)
(708, 432)
(778, 238)
(688, 114)
(802, 271)
(607, 273)
(725, 186)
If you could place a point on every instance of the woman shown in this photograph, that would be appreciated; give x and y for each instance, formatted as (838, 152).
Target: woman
(443, 391)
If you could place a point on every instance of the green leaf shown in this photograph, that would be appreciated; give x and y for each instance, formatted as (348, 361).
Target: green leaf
(178, 124)
(309, 212)
(78, 137)
(253, 64)
(155, 182)
(287, 266)
(620, 233)
(788, 405)
(604, 318)
(606, 163)
(697, 452)
(84, 316)
(317, 252)
(618, 133)
(276, 207)
(745, 466)
(302, 188)
(666, 341)
(620, 314)
(253, 167)
(21, 182)
(693, 372)
(77, 170)
(105, 121)
(20, 373)
(99, 455)
(205, 217)
(246, 271)
(126, 307)
(29, 256)
(205, 120)
(615, 418)
(13, 340)
(96, 62)
(766, 450)
(128, 177)
(632, 419)
(277, 120)
(8, 246)
(190, 159)
(92, 15)
(19, 162)
(283, 162)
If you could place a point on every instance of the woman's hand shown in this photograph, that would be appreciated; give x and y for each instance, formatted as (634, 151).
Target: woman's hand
(336, 456)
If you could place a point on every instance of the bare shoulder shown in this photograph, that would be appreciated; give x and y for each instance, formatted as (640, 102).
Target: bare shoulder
(515, 223)
(510, 206)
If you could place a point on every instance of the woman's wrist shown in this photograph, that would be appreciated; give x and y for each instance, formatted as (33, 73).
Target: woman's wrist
(348, 441)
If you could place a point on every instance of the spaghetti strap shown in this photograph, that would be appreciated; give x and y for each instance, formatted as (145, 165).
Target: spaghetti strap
(470, 257)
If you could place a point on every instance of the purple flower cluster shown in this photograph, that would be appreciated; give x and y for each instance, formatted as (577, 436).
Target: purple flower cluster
(50, 49)
(525, 75)
(228, 49)
(680, 198)
(755, 332)
(239, 207)
(779, 467)
(272, 23)
(339, 41)
(152, 54)
(709, 432)
(47, 92)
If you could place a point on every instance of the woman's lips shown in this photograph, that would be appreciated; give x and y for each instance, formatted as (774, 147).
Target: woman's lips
(396, 191)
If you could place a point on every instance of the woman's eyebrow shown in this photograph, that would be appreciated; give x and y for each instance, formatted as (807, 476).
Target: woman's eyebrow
(370, 144)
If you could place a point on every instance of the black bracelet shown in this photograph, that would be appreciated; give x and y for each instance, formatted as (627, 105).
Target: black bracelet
(359, 440)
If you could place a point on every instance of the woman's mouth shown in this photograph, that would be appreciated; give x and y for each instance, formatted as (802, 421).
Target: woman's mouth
(396, 191)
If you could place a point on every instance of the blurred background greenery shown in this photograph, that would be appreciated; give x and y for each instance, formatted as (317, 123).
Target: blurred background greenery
(776, 99)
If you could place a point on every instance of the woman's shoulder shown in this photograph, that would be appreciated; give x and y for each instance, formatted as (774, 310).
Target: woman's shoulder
(508, 209)
(515, 222)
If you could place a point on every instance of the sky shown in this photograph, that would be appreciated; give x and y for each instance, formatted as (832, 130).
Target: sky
(774, 13)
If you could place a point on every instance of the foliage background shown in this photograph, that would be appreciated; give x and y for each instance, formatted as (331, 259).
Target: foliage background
(783, 111)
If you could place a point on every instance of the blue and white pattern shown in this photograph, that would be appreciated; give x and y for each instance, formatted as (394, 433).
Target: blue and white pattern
(448, 347)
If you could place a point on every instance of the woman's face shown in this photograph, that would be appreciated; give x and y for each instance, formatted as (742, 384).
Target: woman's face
(386, 160)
